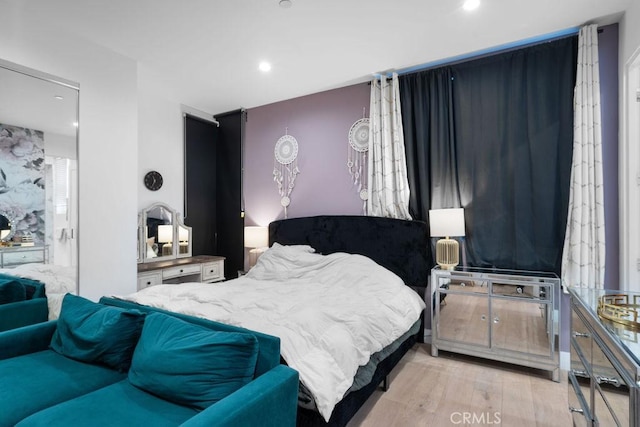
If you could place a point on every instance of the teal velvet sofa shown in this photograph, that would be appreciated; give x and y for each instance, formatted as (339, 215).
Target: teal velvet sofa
(22, 302)
(173, 376)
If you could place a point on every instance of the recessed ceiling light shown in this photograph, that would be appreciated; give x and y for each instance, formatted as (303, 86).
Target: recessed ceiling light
(264, 66)
(58, 97)
(471, 4)
(285, 4)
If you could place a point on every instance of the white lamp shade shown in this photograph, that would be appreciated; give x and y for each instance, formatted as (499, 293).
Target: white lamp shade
(183, 234)
(256, 237)
(446, 222)
(165, 233)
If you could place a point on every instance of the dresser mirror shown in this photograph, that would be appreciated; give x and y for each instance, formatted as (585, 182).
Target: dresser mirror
(162, 235)
(38, 175)
(6, 229)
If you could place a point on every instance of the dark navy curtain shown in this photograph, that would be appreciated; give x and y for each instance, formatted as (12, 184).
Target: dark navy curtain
(494, 136)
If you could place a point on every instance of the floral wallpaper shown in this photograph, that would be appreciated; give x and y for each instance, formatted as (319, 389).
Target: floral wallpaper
(22, 189)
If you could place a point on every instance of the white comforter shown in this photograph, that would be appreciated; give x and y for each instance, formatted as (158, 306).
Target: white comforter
(330, 312)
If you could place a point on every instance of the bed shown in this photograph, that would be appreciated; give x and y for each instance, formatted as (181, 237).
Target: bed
(368, 260)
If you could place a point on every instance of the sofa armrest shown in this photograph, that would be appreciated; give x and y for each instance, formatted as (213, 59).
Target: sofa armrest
(26, 340)
(271, 400)
(23, 313)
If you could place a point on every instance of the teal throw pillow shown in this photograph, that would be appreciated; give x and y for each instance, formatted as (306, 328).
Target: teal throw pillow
(34, 289)
(96, 333)
(11, 291)
(189, 364)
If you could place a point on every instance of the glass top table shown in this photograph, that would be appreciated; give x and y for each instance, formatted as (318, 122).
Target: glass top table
(628, 337)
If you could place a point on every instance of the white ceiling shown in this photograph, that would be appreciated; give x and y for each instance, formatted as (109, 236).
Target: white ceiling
(205, 53)
(38, 104)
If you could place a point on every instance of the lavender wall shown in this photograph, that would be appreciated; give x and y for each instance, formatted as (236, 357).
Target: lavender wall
(320, 123)
(608, 57)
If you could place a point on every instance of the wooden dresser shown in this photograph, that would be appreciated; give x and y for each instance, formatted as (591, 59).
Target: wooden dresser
(201, 268)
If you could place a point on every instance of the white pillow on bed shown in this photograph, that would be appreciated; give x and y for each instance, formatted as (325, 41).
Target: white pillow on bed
(283, 261)
(293, 248)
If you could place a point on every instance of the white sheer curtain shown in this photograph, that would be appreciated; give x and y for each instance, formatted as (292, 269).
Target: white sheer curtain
(583, 258)
(388, 184)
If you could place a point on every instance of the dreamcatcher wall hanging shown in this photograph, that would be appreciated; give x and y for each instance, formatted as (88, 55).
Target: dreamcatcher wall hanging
(285, 168)
(357, 157)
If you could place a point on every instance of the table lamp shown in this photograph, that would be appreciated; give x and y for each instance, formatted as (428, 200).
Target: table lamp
(257, 239)
(183, 240)
(165, 236)
(447, 223)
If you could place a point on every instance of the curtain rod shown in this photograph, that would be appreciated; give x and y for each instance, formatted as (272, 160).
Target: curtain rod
(488, 52)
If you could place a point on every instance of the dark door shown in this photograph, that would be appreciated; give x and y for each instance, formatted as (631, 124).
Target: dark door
(230, 201)
(200, 211)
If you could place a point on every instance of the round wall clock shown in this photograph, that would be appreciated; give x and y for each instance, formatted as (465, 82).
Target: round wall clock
(153, 180)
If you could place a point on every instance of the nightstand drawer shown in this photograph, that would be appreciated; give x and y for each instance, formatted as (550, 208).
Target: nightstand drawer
(184, 270)
(213, 271)
(149, 279)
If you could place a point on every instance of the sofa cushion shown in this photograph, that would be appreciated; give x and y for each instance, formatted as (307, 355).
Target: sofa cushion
(39, 380)
(268, 345)
(189, 364)
(95, 333)
(11, 291)
(120, 404)
(38, 288)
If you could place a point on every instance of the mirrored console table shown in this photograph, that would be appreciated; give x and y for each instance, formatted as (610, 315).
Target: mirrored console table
(604, 379)
(16, 255)
(201, 268)
(505, 315)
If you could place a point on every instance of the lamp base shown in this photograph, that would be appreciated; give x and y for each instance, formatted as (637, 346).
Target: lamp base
(254, 254)
(447, 253)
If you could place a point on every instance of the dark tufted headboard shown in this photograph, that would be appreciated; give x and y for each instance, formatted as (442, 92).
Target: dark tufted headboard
(398, 245)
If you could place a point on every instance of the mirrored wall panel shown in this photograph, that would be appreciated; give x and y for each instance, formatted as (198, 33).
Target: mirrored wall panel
(39, 182)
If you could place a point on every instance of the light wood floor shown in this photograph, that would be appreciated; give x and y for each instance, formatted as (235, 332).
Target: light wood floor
(441, 391)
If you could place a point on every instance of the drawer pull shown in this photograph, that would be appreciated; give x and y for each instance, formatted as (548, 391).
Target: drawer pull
(580, 373)
(607, 380)
(577, 410)
(581, 335)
